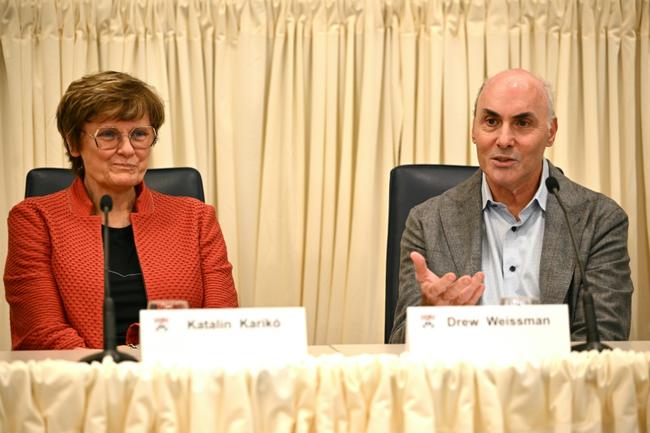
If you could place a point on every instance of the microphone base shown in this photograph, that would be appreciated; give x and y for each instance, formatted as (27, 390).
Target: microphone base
(117, 356)
(593, 345)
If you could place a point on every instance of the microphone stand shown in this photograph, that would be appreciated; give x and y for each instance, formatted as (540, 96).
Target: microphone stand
(110, 347)
(589, 309)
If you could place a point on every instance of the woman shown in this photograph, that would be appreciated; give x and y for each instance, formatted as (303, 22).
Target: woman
(161, 247)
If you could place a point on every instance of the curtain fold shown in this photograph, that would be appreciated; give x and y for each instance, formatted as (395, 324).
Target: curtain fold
(295, 111)
(379, 393)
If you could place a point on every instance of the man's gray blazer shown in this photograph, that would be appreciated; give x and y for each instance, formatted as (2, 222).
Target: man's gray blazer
(447, 230)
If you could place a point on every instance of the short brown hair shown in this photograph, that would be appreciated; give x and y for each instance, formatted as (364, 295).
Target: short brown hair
(100, 96)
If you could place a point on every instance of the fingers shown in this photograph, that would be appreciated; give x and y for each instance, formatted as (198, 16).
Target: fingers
(465, 290)
(457, 289)
(431, 286)
(433, 291)
(476, 296)
(422, 273)
(472, 290)
(446, 290)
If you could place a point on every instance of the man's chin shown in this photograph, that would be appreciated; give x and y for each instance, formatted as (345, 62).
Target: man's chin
(502, 178)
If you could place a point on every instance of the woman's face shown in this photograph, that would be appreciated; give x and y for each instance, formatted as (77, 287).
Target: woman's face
(118, 169)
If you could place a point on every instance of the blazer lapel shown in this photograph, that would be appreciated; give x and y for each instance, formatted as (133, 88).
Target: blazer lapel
(558, 264)
(461, 218)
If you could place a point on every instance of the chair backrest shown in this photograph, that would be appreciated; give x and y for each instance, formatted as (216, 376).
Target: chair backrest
(181, 181)
(411, 185)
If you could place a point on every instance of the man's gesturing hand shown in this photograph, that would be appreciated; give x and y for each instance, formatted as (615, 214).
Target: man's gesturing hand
(446, 290)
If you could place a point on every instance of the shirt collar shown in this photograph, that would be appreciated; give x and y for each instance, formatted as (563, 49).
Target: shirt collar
(540, 196)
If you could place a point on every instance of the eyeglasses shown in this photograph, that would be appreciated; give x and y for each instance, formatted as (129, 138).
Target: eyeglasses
(108, 138)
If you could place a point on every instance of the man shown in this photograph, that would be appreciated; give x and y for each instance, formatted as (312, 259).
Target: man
(502, 234)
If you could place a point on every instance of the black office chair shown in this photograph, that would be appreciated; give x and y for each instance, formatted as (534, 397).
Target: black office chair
(181, 181)
(411, 185)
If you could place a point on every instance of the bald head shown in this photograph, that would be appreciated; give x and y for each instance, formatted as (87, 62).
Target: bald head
(522, 79)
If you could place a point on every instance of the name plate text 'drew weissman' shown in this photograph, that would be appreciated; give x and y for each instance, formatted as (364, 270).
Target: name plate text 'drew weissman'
(490, 333)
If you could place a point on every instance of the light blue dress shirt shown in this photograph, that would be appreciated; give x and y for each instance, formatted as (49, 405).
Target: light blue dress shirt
(511, 250)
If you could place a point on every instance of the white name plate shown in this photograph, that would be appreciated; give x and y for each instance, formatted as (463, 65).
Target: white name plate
(488, 334)
(223, 336)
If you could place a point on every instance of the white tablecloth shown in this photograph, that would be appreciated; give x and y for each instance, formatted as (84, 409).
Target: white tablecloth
(584, 392)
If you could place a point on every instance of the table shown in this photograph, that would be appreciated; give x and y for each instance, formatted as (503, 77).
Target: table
(315, 350)
(77, 354)
(396, 349)
(340, 388)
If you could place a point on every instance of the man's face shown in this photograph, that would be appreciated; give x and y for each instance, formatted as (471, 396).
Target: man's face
(511, 131)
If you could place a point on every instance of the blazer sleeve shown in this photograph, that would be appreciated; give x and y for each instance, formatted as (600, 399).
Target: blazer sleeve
(37, 316)
(409, 290)
(608, 275)
(219, 288)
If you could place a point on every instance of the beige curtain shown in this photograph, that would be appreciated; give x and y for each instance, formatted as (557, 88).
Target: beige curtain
(582, 392)
(295, 112)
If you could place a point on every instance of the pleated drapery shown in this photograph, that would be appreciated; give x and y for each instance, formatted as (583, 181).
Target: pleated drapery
(295, 112)
(582, 392)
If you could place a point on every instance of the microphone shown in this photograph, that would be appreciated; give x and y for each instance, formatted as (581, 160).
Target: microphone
(110, 347)
(588, 307)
